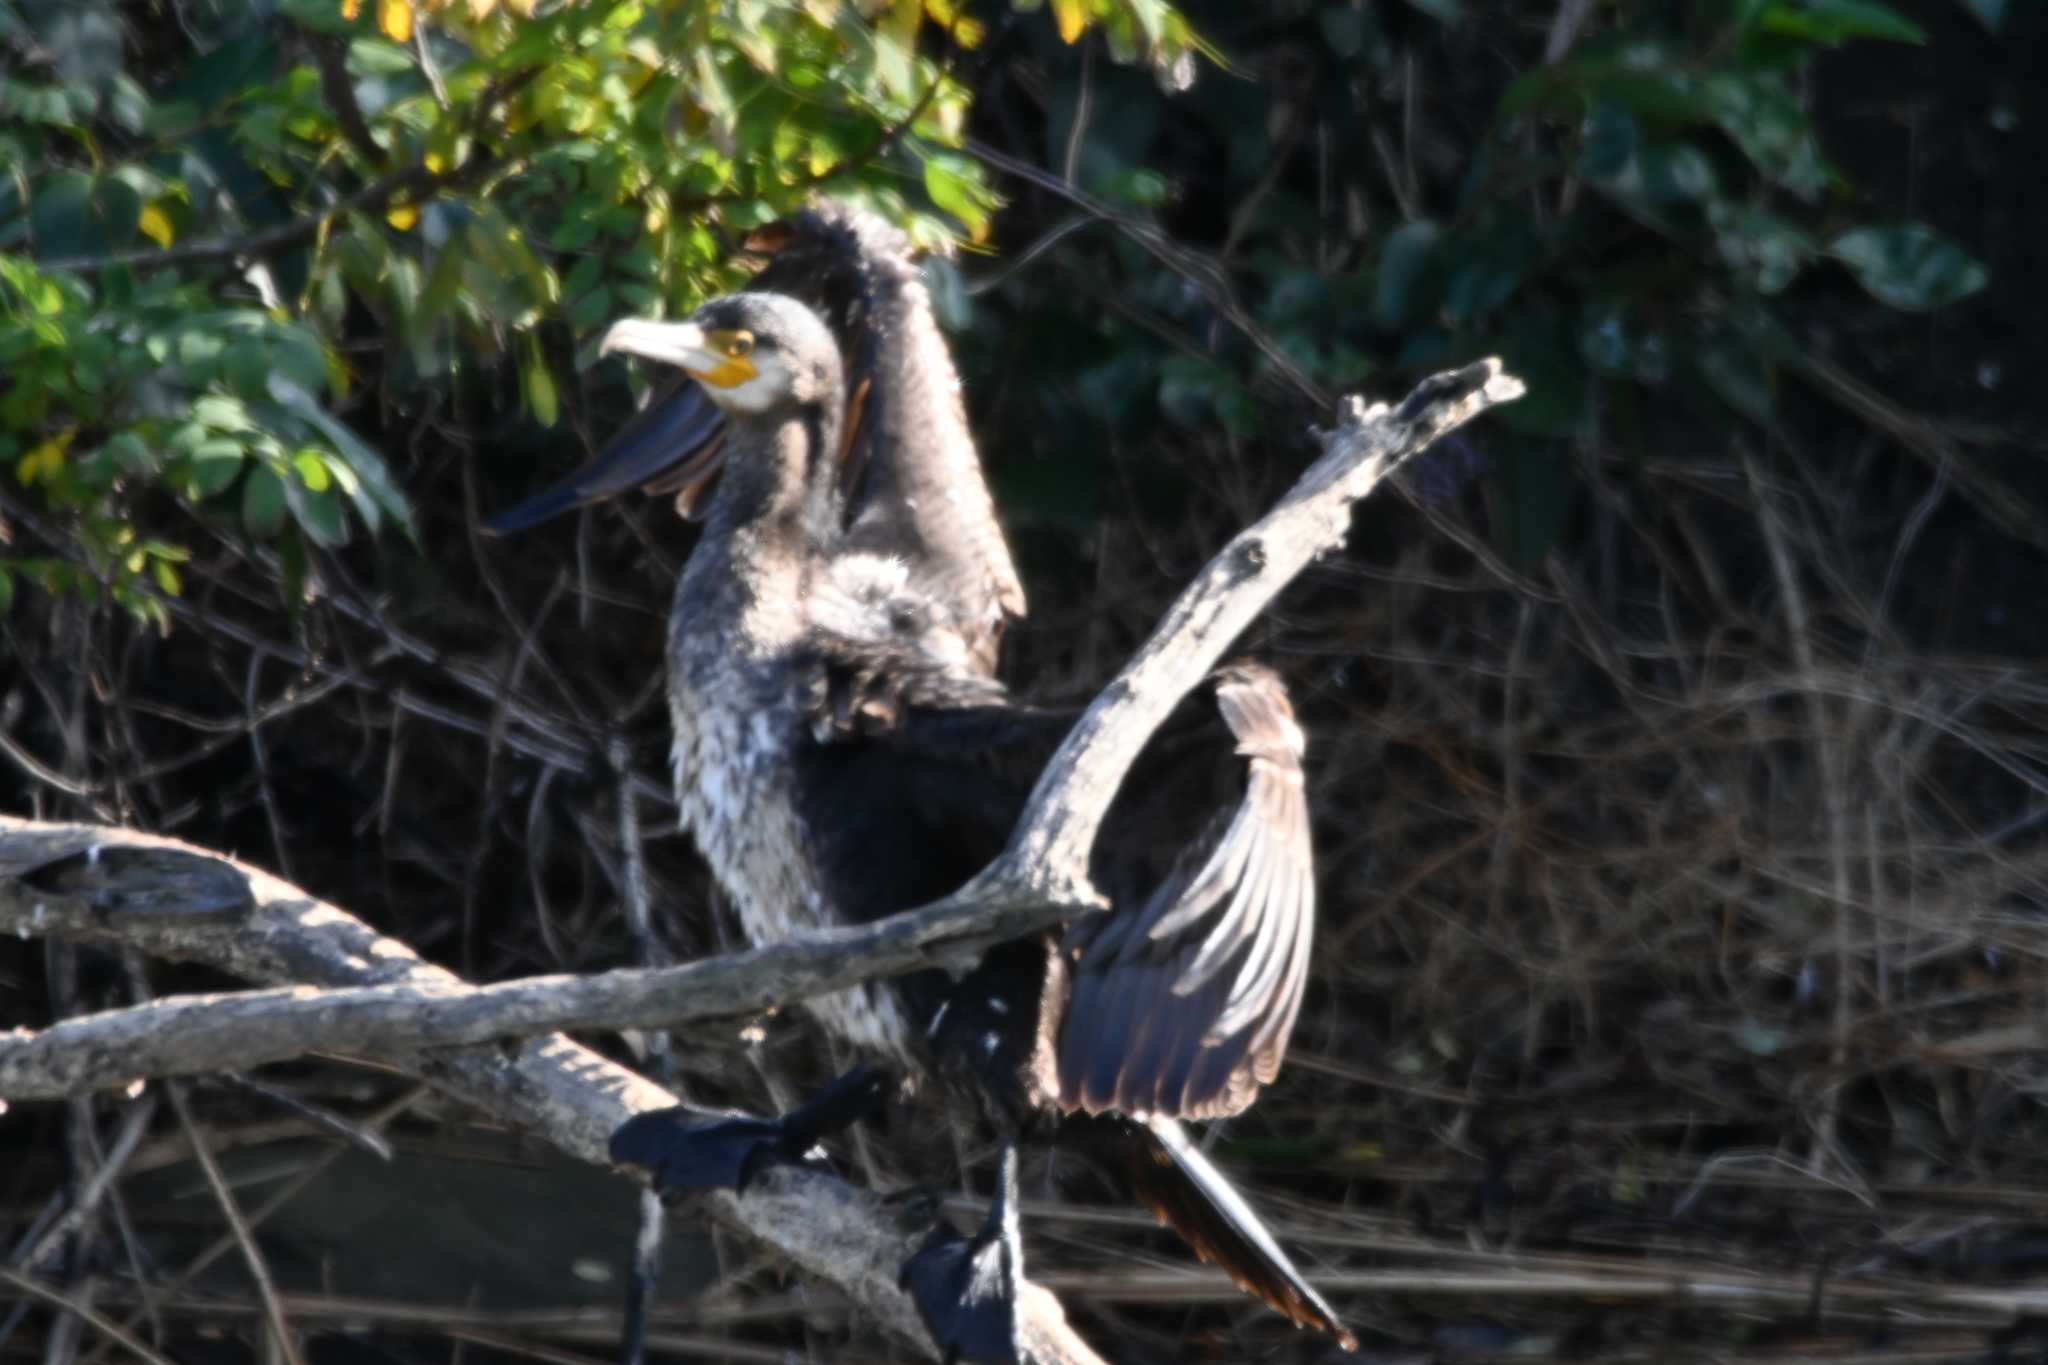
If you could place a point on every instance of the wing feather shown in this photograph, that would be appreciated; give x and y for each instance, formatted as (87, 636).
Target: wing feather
(1182, 1006)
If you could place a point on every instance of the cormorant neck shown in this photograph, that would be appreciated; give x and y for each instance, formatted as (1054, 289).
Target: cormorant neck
(770, 521)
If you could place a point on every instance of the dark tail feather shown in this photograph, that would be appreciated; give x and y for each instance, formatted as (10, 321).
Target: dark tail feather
(1189, 1195)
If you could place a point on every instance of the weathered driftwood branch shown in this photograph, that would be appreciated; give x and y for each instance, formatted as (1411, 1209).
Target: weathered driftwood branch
(159, 896)
(1048, 854)
(92, 884)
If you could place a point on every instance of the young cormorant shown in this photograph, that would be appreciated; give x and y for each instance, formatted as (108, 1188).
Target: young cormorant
(835, 726)
(833, 665)
(907, 461)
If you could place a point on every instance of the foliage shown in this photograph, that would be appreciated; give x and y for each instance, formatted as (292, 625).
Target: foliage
(213, 240)
(209, 245)
(1643, 222)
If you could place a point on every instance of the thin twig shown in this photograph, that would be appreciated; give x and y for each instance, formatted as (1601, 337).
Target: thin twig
(259, 1270)
(36, 1289)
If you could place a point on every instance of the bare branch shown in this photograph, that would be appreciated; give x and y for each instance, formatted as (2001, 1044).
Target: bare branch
(1050, 848)
(101, 885)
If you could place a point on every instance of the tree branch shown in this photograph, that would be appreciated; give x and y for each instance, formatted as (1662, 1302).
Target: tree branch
(157, 895)
(92, 884)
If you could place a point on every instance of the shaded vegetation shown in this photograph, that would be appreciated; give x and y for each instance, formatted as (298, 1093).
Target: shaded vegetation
(1676, 744)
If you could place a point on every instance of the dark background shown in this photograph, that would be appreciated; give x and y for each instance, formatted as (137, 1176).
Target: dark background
(1676, 734)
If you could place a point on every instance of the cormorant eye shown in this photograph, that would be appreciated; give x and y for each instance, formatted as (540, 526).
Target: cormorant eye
(737, 344)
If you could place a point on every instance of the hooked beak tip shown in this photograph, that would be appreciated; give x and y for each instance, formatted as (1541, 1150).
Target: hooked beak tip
(673, 342)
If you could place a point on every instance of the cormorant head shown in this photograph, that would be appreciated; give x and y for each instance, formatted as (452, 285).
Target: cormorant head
(753, 354)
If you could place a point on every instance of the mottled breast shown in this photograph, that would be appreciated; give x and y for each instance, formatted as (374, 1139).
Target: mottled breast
(736, 724)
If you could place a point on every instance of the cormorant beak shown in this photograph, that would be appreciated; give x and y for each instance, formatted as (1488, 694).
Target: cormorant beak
(675, 445)
(684, 345)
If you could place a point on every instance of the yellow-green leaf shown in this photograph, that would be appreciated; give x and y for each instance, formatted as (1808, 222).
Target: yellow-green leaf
(46, 461)
(312, 469)
(402, 216)
(395, 18)
(156, 225)
(1072, 17)
(540, 387)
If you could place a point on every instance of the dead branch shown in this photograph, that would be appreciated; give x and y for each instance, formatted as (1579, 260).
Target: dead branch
(119, 887)
(107, 886)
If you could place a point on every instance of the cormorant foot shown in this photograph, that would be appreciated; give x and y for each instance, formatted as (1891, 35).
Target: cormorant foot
(967, 1289)
(686, 1151)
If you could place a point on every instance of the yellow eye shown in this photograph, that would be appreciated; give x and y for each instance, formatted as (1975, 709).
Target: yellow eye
(736, 344)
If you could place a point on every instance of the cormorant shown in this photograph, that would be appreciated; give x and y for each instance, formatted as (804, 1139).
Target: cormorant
(908, 461)
(838, 743)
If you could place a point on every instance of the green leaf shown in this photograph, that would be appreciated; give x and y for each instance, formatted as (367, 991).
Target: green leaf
(312, 469)
(317, 511)
(1608, 149)
(1757, 244)
(375, 495)
(215, 464)
(1489, 269)
(131, 454)
(539, 385)
(1834, 22)
(1755, 109)
(590, 310)
(955, 186)
(1405, 284)
(1910, 266)
(222, 413)
(376, 57)
(263, 503)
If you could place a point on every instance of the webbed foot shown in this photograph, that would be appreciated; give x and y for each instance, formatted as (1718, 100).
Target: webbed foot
(687, 1151)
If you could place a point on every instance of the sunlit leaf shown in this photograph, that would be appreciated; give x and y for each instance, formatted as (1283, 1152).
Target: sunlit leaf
(403, 216)
(1833, 22)
(394, 17)
(312, 470)
(539, 386)
(954, 184)
(375, 494)
(156, 225)
(1072, 18)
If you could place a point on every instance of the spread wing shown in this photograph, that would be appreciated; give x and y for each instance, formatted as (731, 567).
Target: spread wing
(1181, 1007)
